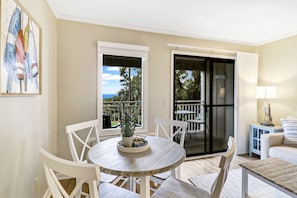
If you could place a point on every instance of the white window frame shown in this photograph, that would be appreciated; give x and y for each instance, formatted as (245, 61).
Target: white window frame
(120, 49)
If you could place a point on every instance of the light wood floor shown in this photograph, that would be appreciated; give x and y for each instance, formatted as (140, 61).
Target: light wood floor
(208, 165)
(189, 168)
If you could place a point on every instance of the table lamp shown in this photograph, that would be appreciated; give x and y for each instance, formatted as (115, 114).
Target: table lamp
(266, 92)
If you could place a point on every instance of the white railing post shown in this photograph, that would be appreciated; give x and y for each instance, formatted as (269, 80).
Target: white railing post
(191, 110)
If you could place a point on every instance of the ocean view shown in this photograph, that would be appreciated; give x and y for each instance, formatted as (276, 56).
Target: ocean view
(108, 95)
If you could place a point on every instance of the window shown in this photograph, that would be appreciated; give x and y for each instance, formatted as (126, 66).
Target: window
(122, 81)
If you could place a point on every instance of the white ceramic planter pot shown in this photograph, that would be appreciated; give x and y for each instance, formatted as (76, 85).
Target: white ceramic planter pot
(127, 141)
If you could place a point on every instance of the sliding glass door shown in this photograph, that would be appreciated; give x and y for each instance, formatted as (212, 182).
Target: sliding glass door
(219, 103)
(204, 97)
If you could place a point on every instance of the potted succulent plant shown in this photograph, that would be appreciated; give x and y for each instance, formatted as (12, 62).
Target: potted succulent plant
(128, 119)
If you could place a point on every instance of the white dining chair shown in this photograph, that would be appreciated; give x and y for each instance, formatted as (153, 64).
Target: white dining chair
(84, 173)
(174, 188)
(169, 129)
(81, 137)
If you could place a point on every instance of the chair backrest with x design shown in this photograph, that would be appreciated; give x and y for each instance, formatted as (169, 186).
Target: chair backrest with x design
(81, 136)
(171, 128)
(83, 172)
(224, 166)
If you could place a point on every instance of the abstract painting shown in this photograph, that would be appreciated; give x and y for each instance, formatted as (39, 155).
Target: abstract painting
(20, 51)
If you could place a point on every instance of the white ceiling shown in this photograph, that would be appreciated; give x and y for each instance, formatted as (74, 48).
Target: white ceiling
(251, 22)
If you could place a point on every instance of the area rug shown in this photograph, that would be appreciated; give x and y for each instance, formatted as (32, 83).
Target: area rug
(232, 187)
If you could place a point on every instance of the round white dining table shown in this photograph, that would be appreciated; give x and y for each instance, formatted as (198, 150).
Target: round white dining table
(161, 156)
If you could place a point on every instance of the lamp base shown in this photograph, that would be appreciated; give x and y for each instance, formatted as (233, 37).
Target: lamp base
(267, 123)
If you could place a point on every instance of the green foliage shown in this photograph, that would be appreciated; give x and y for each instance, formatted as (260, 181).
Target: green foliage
(131, 83)
(131, 91)
(128, 120)
(187, 85)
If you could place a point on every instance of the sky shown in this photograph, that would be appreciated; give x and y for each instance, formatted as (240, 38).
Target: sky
(111, 80)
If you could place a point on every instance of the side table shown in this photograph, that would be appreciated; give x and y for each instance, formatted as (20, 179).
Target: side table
(256, 130)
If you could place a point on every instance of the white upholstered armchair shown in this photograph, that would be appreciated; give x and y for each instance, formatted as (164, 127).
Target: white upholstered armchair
(269, 140)
(272, 146)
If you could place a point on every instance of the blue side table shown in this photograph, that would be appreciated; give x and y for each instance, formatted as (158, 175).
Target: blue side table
(256, 130)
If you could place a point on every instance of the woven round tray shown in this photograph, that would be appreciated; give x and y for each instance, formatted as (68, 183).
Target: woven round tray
(139, 145)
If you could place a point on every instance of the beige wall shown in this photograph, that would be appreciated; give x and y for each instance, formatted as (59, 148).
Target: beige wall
(278, 66)
(29, 123)
(77, 52)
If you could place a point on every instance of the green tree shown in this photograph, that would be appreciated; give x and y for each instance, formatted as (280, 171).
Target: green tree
(131, 91)
(180, 77)
(194, 86)
(187, 84)
(131, 84)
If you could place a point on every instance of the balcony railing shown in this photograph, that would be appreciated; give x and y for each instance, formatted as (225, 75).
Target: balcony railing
(186, 110)
(191, 111)
(112, 109)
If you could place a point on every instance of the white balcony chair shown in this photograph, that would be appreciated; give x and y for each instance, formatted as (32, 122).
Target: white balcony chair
(84, 173)
(174, 188)
(169, 129)
(81, 137)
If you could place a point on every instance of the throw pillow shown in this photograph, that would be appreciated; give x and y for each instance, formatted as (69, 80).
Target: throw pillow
(290, 132)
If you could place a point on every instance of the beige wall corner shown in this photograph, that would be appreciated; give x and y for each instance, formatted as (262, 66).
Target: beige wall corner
(29, 123)
(278, 68)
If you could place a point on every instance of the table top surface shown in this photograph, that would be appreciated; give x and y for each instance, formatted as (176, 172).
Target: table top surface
(276, 170)
(163, 155)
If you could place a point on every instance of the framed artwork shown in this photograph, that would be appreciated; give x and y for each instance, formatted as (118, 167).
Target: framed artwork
(20, 51)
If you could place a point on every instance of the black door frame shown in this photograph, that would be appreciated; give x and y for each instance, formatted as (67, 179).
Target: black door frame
(208, 112)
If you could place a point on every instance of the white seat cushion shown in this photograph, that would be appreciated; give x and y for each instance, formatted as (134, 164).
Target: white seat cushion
(173, 188)
(284, 152)
(111, 191)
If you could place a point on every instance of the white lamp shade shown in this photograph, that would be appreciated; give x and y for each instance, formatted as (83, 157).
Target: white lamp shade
(266, 92)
